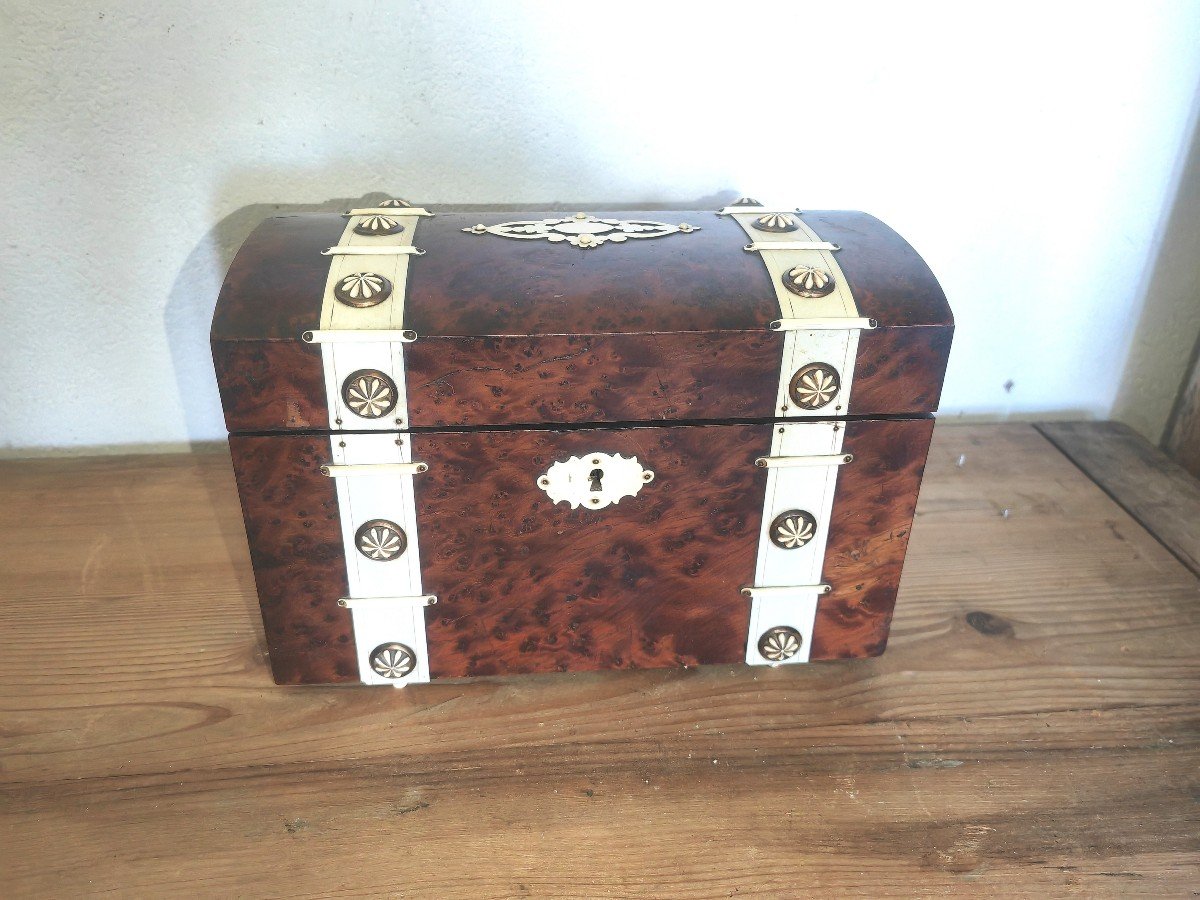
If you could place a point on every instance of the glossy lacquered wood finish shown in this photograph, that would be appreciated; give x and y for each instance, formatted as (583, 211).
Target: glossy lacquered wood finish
(868, 535)
(525, 585)
(519, 332)
(292, 526)
(591, 378)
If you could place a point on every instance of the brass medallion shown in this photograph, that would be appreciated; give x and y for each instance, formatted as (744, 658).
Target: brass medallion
(380, 540)
(776, 223)
(362, 289)
(780, 643)
(808, 281)
(814, 385)
(369, 393)
(377, 226)
(793, 529)
(393, 660)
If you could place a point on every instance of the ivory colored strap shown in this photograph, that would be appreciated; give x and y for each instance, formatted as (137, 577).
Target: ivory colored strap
(345, 471)
(373, 251)
(795, 462)
(347, 335)
(759, 246)
(788, 591)
(362, 339)
(393, 212)
(821, 324)
(365, 602)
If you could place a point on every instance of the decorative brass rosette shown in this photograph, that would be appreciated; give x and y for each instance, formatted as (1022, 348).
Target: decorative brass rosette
(780, 643)
(369, 393)
(362, 289)
(808, 281)
(814, 385)
(378, 225)
(776, 223)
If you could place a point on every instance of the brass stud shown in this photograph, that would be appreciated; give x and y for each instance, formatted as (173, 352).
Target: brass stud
(380, 540)
(393, 660)
(776, 223)
(378, 225)
(809, 282)
(780, 643)
(362, 289)
(814, 385)
(369, 393)
(793, 529)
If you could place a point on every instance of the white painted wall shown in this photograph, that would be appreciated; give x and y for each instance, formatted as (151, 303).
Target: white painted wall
(1031, 151)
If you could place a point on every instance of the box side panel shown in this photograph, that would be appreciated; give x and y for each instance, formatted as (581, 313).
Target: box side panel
(581, 379)
(486, 284)
(271, 385)
(525, 585)
(295, 538)
(900, 369)
(276, 282)
(868, 535)
(528, 585)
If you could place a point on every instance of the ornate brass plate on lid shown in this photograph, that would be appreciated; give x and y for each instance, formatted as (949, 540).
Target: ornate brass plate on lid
(582, 230)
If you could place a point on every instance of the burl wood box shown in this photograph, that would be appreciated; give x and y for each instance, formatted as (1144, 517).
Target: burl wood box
(479, 443)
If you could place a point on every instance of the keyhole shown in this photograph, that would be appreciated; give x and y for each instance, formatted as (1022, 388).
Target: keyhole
(594, 477)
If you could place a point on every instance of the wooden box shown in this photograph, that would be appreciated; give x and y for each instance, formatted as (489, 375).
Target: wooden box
(478, 443)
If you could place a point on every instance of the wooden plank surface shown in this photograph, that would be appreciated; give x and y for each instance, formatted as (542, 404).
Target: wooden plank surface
(1160, 494)
(1031, 729)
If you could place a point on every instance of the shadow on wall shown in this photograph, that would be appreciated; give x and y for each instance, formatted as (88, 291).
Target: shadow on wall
(1169, 323)
(188, 315)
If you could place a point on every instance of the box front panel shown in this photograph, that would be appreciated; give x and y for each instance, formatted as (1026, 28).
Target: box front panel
(691, 560)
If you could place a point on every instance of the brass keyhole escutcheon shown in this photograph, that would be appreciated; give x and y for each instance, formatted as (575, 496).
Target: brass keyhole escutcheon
(595, 480)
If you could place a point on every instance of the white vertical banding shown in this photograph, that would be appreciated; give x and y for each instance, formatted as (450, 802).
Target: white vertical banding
(837, 347)
(388, 497)
(790, 567)
(341, 359)
(374, 472)
(793, 573)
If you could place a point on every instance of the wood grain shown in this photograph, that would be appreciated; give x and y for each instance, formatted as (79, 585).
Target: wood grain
(1159, 493)
(517, 332)
(1032, 728)
(525, 585)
